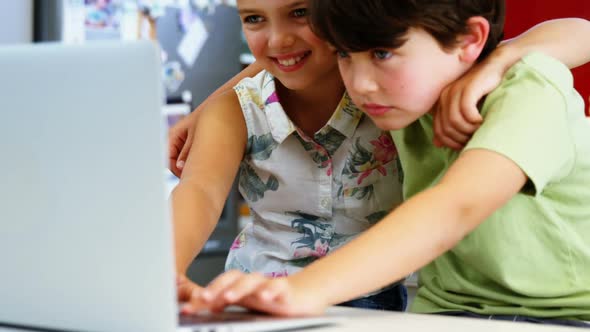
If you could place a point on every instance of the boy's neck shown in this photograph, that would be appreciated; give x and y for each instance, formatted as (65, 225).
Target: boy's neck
(432, 111)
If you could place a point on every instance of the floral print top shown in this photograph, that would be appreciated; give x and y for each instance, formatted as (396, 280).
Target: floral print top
(308, 195)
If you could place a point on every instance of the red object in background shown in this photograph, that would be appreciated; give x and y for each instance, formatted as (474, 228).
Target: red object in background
(523, 14)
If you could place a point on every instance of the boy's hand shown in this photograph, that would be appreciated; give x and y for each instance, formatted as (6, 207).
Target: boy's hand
(180, 139)
(457, 116)
(277, 296)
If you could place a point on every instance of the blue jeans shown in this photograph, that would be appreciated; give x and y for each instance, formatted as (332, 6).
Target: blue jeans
(518, 318)
(392, 299)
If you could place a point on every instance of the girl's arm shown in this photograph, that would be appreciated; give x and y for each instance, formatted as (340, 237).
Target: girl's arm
(458, 117)
(414, 234)
(180, 136)
(566, 39)
(208, 175)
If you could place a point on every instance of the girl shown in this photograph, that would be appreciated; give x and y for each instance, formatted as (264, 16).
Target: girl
(313, 170)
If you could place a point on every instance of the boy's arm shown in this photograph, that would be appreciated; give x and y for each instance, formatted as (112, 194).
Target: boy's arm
(414, 234)
(180, 136)
(458, 117)
(421, 229)
(208, 175)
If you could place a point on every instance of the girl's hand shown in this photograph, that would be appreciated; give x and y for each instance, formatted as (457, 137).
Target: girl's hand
(278, 296)
(185, 288)
(457, 116)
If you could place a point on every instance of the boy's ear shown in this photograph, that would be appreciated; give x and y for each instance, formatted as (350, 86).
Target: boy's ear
(472, 43)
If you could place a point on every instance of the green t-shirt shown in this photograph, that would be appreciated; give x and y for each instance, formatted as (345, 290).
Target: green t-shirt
(532, 256)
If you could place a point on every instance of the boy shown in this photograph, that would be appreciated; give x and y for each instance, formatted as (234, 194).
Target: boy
(500, 228)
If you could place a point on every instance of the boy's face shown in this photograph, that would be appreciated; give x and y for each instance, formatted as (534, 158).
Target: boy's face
(394, 87)
(281, 40)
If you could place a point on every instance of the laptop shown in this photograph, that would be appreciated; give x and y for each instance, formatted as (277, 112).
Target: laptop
(85, 231)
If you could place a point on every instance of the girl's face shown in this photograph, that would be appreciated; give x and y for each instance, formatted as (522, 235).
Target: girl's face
(281, 41)
(396, 87)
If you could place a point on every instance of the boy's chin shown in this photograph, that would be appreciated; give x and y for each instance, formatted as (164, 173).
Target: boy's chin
(390, 124)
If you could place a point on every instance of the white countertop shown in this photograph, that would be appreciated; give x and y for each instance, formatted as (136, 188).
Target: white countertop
(374, 321)
(355, 320)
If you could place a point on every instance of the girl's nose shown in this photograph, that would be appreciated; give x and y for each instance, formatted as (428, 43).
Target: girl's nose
(281, 39)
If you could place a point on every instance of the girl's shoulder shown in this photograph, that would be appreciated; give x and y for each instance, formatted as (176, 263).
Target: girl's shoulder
(259, 90)
(257, 84)
(225, 103)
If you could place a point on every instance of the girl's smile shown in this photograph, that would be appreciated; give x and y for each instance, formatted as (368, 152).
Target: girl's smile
(291, 62)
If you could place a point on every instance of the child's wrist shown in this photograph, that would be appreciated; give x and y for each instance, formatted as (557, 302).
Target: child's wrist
(304, 290)
(505, 57)
(516, 48)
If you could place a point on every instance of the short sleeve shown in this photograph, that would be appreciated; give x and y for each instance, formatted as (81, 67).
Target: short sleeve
(526, 120)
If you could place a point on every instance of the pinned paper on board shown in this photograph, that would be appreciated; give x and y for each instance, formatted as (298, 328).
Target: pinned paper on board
(209, 6)
(192, 43)
(173, 76)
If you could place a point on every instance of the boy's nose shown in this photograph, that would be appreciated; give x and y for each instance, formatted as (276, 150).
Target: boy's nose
(362, 82)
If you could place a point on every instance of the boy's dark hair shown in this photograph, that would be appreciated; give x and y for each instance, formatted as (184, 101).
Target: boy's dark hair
(361, 25)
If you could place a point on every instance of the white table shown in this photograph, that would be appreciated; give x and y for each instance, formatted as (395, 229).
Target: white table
(359, 320)
(356, 320)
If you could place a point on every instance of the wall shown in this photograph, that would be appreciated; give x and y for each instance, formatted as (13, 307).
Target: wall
(523, 14)
(16, 25)
(220, 58)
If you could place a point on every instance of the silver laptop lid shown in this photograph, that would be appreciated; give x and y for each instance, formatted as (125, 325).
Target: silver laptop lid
(85, 237)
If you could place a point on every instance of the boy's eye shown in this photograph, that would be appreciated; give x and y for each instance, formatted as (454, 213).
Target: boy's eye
(252, 19)
(341, 54)
(300, 12)
(382, 54)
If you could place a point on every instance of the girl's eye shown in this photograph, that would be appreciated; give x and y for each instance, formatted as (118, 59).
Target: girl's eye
(300, 12)
(382, 54)
(252, 19)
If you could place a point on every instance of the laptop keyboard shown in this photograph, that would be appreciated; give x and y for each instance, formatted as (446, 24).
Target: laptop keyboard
(222, 317)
